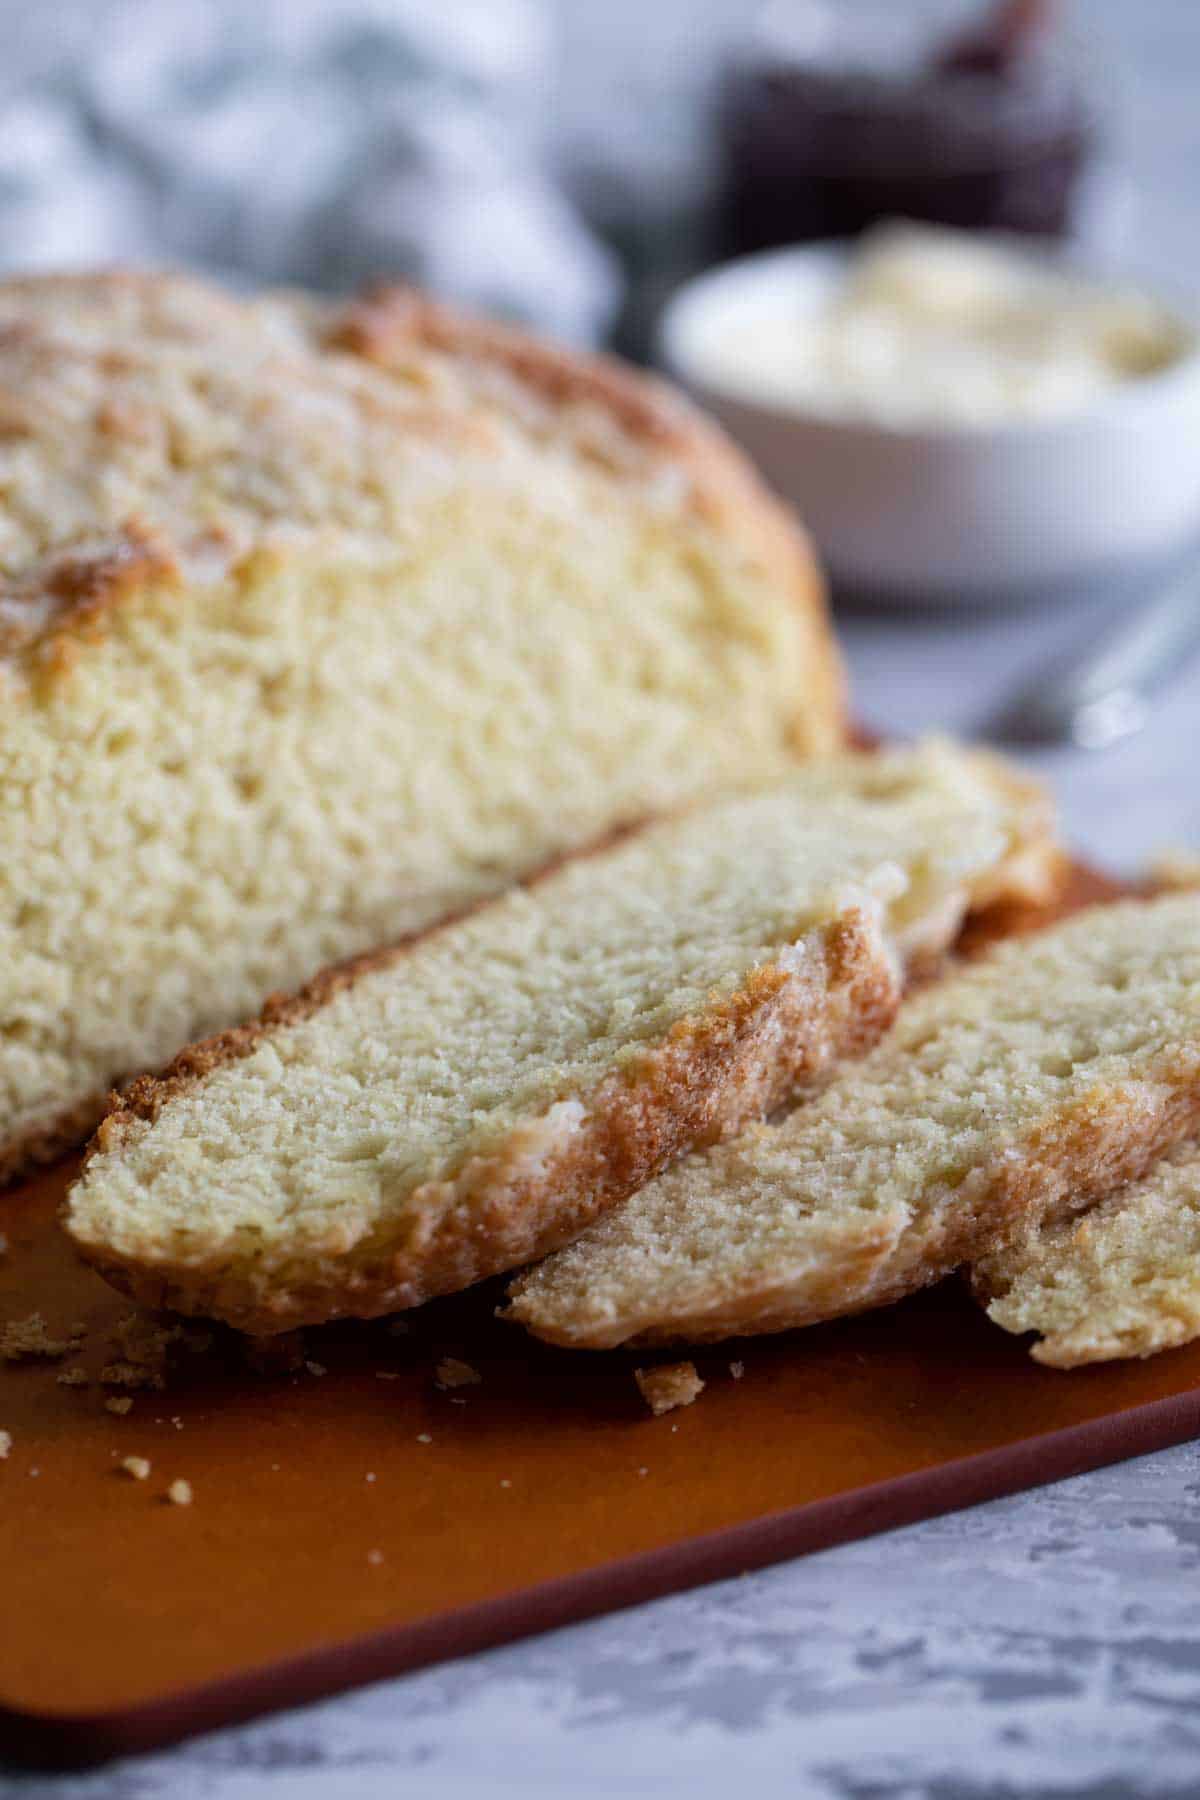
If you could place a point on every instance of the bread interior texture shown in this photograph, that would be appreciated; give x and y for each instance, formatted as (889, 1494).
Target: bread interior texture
(224, 787)
(1018, 1090)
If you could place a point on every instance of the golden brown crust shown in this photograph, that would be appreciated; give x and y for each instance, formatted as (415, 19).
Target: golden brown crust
(552, 1178)
(613, 416)
(390, 318)
(88, 587)
(1071, 887)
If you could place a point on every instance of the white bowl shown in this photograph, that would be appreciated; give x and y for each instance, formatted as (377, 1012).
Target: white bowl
(953, 513)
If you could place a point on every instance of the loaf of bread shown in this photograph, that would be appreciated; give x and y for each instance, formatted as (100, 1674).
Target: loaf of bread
(1034, 1081)
(475, 1098)
(1122, 1280)
(319, 622)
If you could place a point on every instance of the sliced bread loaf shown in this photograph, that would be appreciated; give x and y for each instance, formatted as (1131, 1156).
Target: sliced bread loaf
(1123, 1280)
(318, 622)
(1034, 1081)
(469, 1101)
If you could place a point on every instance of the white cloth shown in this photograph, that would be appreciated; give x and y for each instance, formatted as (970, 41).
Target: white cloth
(312, 141)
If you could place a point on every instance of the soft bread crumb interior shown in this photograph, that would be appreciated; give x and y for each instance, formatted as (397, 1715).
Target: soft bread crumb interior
(797, 1220)
(238, 785)
(317, 1140)
(1123, 1280)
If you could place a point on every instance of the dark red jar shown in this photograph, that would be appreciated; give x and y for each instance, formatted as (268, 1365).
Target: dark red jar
(837, 116)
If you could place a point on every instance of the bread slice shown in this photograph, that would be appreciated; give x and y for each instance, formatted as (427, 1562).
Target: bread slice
(1032, 1082)
(1122, 1280)
(463, 1104)
(318, 622)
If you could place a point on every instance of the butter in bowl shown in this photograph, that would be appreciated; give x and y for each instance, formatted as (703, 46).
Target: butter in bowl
(958, 417)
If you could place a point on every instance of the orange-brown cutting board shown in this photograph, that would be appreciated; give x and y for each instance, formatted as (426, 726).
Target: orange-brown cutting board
(352, 1520)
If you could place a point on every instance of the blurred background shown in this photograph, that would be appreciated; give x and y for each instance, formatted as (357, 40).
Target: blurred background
(565, 161)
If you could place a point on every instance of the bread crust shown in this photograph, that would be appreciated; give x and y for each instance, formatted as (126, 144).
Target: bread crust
(90, 585)
(1113, 1137)
(1085, 1153)
(1120, 1279)
(782, 1029)
(611, 415)
(726, 489)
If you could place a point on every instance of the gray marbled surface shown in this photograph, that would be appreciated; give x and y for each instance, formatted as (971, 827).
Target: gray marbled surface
(1044, 1645)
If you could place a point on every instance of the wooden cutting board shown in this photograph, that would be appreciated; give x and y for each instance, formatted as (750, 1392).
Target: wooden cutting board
(352, 1519)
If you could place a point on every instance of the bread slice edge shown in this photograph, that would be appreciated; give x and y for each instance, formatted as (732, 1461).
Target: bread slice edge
(831, 996)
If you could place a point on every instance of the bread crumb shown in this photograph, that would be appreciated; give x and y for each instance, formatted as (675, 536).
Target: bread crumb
(180, 1493)
(130, 1375)
(374, 1557)
(370, 1475)
(504, 1483)
(643, 1471)
(5, 1444)
(35, 1471)
(137, 1466)
(118, 1404)
(668, 1386)
(316, 1368)
(75, 1376)
(387, 1374)
(141, 1346)
(29, 1337)
(423, 1437)
(737, 1370)
(451, 1372)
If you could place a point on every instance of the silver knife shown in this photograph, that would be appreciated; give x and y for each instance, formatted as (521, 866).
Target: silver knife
(1104, 695)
